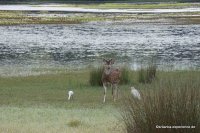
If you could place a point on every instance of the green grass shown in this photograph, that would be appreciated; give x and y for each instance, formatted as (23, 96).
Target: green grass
(51, 120)
(39, 103)
(51, 89)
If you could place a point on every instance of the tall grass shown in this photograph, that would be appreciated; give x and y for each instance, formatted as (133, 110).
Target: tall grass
(125, 75)
(165, 105)
(96, 75)
(147, 75)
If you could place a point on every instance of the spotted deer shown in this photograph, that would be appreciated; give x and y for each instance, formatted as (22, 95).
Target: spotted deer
(110, 76)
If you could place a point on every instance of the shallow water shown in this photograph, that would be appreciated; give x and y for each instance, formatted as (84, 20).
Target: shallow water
(28, 47)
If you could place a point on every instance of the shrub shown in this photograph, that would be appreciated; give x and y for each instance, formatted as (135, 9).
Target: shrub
(170, 103)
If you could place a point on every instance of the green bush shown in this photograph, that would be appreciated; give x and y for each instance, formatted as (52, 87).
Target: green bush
(174, 102)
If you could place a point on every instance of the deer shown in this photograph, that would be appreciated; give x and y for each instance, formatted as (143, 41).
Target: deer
(110, 76)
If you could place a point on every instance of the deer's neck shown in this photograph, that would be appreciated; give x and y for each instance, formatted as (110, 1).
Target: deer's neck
(107, 72)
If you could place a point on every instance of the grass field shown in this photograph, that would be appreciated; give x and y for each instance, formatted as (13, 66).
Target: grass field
(39, 103)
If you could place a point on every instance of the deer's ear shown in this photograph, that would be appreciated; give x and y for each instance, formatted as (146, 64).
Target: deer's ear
(105, 61)
(112, 61)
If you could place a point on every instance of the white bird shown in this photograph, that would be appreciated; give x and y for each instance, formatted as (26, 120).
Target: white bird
(135, 93)
(70, 95)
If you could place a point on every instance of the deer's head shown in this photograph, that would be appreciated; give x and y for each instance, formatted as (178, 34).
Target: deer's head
(108, 65)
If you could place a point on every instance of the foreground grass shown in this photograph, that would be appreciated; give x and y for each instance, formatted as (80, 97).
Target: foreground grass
(52, 120)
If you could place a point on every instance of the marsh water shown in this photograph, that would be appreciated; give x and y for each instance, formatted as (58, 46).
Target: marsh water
(24, 48)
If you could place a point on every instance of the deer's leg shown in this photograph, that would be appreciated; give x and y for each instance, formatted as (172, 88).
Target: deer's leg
(112, 87)
(115, 92)
(105, 89)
